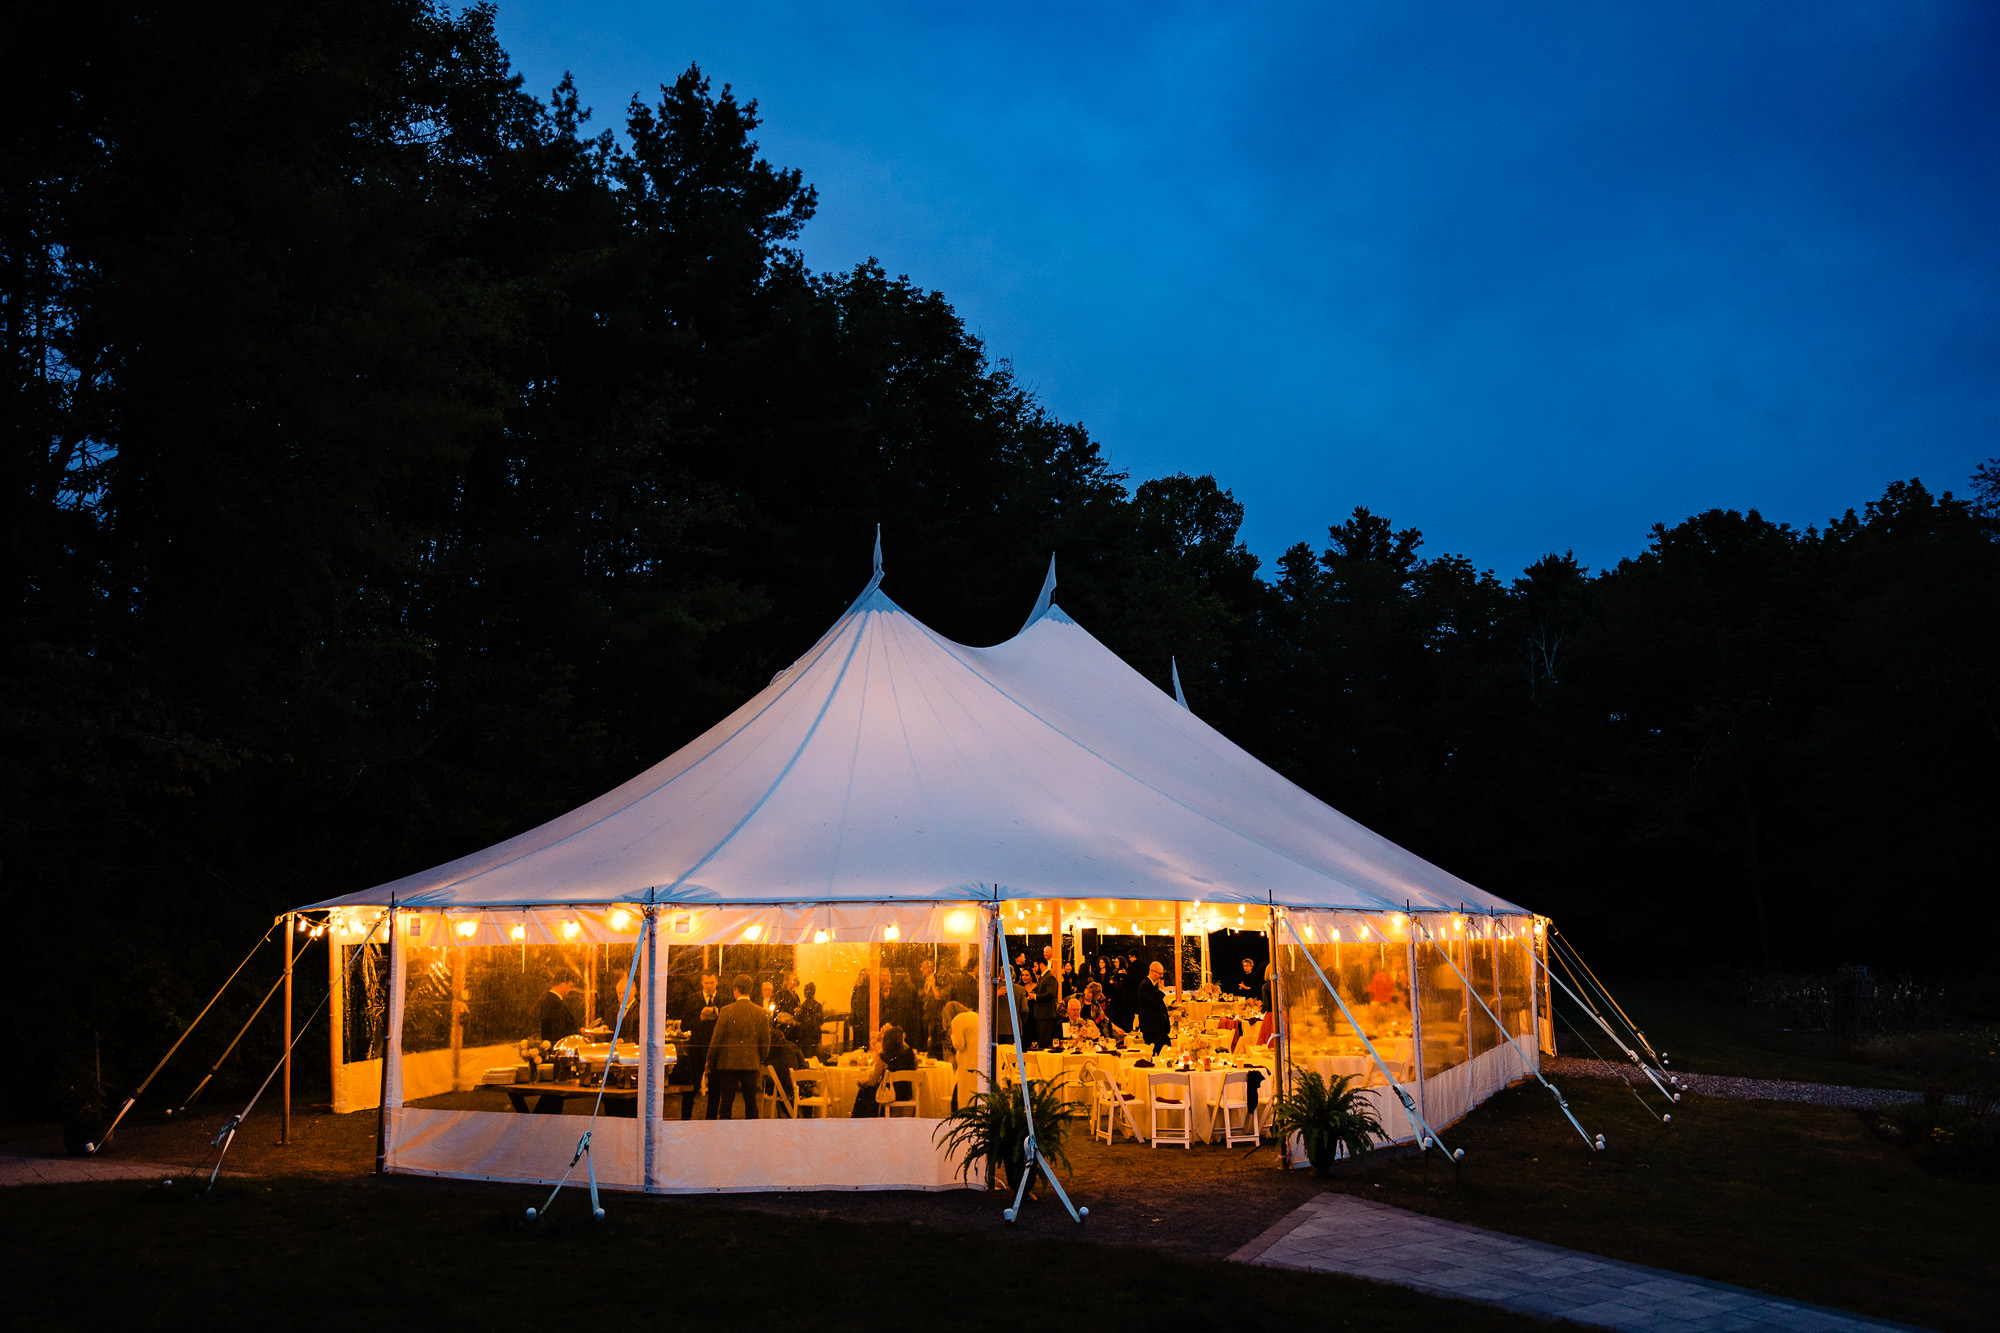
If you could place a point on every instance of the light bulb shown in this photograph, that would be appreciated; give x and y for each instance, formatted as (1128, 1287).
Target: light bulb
(752, 932)
(465, 930)
(621, 920)
(819, 937)
(571, 929)
(892, 931)
(517, 933)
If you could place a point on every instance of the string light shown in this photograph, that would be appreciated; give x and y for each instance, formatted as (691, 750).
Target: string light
(752, 932)
(571, 929)
(819, 937)
(465, 930)
(621, 920)
(892, 931)
(517, 933)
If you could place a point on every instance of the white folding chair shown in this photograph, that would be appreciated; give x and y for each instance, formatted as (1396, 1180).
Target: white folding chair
(1170, 1094)
(905, 1085)
(771, 1096)
(809, 1094)
(1232, 1099)
(1109, 1101)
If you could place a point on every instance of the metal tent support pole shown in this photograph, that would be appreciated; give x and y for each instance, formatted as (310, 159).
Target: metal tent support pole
(1282, 1025)
(653, 1036)
(1177, 953)
(1416, 1015)
(391, 1042)
(285, 1119)
(1031, 1159)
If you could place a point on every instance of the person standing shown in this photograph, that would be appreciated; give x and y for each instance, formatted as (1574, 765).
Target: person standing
(806, 1020)
(1154, 1025)
(859, 1002)
(557, 1019)
(738, 1053)
(1047, 987)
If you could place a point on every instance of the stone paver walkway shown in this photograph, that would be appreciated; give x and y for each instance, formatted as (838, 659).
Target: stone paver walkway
(1338, 1233)
(17, 1169)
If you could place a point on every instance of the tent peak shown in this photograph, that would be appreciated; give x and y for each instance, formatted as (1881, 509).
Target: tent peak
(1043, 602)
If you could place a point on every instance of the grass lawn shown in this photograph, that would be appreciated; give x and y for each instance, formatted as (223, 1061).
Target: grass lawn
(1705, 1030)
(287, 1252)
(1799, 1201)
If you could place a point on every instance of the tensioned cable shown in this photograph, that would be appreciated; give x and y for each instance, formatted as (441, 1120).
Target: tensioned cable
(1588, 1008)
(1596, 1144)
(212, 1069)
(1571, 953)
(227, 1135)
(140, 1091)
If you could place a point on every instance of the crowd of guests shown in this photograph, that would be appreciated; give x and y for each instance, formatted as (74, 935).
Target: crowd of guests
(729, 1036)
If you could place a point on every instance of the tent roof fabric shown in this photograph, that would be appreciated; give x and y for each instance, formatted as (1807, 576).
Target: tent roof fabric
(891, 764)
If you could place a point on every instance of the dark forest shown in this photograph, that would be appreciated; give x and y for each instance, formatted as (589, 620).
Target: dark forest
(396, 459)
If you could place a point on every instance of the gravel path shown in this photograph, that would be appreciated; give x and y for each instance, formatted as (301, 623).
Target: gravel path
(1746, 1089)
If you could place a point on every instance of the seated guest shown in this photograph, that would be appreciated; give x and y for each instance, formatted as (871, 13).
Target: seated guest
(1097, 1009)
(894, 1056)
(1076, 1026)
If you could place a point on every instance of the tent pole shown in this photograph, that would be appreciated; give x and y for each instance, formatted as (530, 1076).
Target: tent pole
(1535, 996)
(1284, 1070)
(652, 1034)
(336, 1017)
(1177, 953)
(1058, 942)
(874, 994)
(1416, 1013)
(458, 1008)
(285, 1121)
(391, 1044)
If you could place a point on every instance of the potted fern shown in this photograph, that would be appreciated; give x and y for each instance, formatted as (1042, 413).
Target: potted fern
(1327, 1117)
(993, 1128)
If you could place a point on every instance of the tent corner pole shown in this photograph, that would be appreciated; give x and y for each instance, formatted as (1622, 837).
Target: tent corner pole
(285, 1119)
(390, 1045)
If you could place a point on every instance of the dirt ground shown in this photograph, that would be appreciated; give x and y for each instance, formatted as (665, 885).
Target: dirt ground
(1203, 1201)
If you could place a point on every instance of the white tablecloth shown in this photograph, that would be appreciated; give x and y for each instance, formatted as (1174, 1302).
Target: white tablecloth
(1204, 1086)
(839, 1083)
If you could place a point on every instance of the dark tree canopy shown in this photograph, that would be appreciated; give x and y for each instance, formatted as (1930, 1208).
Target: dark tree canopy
(393, 462)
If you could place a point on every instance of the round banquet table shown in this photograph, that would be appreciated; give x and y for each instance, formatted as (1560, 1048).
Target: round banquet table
(1204, 1086)
(839, 1082)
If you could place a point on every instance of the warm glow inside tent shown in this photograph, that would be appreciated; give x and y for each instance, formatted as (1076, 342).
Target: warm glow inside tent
(866, 822)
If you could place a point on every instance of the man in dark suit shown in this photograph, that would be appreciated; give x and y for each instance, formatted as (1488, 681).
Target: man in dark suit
(738, 1052)
(709, 997)
(556, 1018)
(1047, 1033)
(1154, 1025)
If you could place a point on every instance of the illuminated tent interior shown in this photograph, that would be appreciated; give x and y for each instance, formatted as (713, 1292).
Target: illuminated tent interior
(885, 801)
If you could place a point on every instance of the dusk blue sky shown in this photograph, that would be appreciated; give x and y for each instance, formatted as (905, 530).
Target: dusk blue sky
(1529, 277)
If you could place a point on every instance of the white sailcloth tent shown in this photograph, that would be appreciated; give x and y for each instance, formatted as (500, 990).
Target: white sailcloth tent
(892, 785)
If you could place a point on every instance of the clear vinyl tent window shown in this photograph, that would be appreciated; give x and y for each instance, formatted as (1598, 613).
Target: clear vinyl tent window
(1368, 961)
